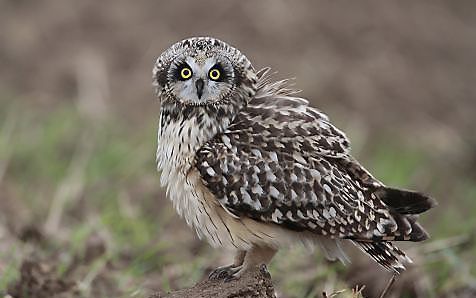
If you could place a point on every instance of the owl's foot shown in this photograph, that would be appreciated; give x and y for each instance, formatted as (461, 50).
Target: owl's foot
(232, 272)
(226, 273)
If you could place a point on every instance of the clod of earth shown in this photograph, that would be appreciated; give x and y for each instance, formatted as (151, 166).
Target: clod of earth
(254, 284)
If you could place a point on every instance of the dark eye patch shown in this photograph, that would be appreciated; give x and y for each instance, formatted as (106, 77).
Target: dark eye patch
(224, 74)
(178, 69)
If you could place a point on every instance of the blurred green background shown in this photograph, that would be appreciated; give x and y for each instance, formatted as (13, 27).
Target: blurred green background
(81, 209)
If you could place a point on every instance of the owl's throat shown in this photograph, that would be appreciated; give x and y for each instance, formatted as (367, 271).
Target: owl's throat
(184, 129)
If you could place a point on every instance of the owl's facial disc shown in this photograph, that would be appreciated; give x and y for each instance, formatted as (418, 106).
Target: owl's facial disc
(199, 80)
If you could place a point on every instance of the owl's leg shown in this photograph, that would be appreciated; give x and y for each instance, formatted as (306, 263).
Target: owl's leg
(227, 271)
(255, 257)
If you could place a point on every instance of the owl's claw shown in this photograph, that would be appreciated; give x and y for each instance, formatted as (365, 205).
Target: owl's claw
(226, 273)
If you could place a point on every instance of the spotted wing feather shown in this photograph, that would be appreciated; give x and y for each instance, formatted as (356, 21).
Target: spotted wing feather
(279, 162)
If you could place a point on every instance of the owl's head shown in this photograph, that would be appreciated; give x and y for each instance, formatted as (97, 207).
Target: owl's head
(202, 71)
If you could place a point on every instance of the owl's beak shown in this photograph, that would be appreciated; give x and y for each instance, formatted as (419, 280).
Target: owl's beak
(199, 84)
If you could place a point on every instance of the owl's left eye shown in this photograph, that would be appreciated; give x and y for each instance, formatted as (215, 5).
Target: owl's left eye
(214, 74)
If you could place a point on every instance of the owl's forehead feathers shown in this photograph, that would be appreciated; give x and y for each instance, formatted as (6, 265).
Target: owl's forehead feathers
(201, 48)
(200, 59)
(201, 63)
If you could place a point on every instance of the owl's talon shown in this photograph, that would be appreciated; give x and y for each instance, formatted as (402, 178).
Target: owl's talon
(230, 278)
(219, 272)
(226, 273)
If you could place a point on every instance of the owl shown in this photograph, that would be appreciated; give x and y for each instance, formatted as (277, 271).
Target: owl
(252, 167)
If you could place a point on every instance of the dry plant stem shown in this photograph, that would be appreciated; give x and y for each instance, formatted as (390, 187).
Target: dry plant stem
(93, 90)
(446, 243)
(5, 138)
(388, 286)
(71, 186)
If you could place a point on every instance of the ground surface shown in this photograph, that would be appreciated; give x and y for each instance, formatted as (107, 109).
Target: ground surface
(81, 210)
(255, 284)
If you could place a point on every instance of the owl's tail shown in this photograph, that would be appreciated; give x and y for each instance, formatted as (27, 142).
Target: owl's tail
(386, 254)
(405, 201)
(404, 207)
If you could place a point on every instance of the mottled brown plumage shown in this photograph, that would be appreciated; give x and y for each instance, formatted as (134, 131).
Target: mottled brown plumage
(253, 167)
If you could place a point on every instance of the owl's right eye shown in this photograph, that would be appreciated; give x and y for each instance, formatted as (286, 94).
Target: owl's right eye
(185, 73)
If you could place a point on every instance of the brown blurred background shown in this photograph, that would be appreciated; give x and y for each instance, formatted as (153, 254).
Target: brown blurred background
(78, 117)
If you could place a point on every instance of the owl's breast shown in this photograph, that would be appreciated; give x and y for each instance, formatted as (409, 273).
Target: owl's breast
(190, 198)
(177, 143)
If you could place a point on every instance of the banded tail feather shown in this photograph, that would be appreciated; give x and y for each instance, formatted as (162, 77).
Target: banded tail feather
(404, 207)
(386, 254)
(405, 201)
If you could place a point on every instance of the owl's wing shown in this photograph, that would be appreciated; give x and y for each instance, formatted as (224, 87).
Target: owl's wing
(287, 165)
(297, 126)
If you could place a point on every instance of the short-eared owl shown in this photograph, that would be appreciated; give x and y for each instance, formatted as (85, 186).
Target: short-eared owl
(252, 167)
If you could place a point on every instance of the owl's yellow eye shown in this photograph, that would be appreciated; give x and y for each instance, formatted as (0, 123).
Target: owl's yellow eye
(214, 74)
(185, 73)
